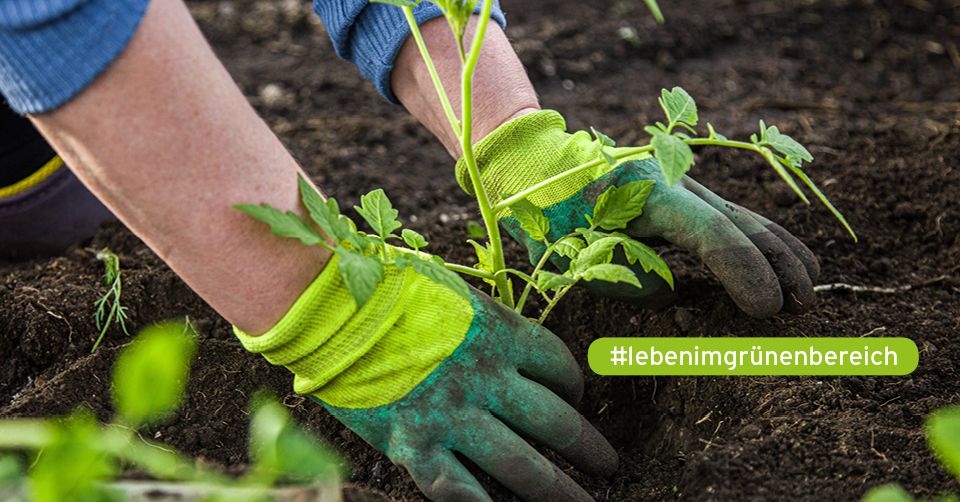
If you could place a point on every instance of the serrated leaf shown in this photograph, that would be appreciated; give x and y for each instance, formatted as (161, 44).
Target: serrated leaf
(569, 247)
(618, 206)
(597, 253)
(675, 156)
(638, 252)
(679, 106)
(326, 214)
(436, 272)
(484, 259)
(603, 138)
(796, 153)
(288, 224)
(361, 274)
(532, 221)
(376, 209)
(476, 230)
(151, 374)
(943, 433)
(549, 281)
(591, 236)
(413, 239)
(611, 273)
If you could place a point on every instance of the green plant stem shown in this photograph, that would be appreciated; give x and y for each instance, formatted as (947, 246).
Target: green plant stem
(465, 270)
(464, 133)
(634, 151)
(504, 290)
(536, 270)
(523, 194)
(432, 69)
(553, 303)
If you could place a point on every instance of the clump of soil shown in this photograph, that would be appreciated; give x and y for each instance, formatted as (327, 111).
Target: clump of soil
(871, 86)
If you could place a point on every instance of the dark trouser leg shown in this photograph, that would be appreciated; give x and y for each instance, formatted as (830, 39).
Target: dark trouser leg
(44, 208)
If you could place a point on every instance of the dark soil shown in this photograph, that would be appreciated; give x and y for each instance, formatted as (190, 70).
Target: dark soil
(872, 86)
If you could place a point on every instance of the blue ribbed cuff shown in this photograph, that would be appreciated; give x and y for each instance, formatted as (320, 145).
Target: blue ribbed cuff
(370, 34)
(50, 50)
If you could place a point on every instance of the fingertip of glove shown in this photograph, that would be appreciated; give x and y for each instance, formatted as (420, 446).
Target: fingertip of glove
(594, 455)
(748, 279)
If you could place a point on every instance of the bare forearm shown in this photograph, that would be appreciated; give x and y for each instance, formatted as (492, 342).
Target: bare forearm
(166, 139)
(502, 89)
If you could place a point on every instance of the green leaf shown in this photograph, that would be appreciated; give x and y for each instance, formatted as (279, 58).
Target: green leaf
(326, 214)
(597, 253)
(679, 106)
(476, 230)
(591, 236)
(943, 433)
(283, 451)
(569, 247)
(603, 138)
(413, 239)
(361, 274)
(287, 224)
(484, 259)
(151, 374)
(675, 156)
(638, 252)
(795, 153)
(376, 209)
(618, 206)
(436, 272)
(611, 273)
(532, 221)
(888, 493)
(71, 464)
(11, 472)
(549, 281)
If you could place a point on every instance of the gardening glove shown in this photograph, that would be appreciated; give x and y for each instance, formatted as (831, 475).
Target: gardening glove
(422, 373)
(764, 268)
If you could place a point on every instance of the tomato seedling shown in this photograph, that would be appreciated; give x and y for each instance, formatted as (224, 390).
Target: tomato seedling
(589, 250)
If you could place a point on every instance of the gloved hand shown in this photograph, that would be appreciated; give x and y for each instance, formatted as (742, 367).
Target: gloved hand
(421, 372)
(764, 268)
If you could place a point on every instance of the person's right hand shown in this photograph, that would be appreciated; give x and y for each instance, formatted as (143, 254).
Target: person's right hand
(422, 374)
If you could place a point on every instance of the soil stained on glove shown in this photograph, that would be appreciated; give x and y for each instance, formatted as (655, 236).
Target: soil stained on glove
(873, 87)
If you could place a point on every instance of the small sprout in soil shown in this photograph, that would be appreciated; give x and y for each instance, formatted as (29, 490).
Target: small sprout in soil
(76, 458)
(109, 307)
(943, 436)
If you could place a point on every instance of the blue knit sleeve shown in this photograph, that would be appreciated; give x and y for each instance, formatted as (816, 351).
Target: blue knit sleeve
(370, 35)
(50, 50)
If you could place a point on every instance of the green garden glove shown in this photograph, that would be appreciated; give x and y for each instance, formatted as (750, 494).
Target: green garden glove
(764, 268)
(421, 373)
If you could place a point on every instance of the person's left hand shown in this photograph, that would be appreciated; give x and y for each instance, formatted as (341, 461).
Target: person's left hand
(763, 267)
